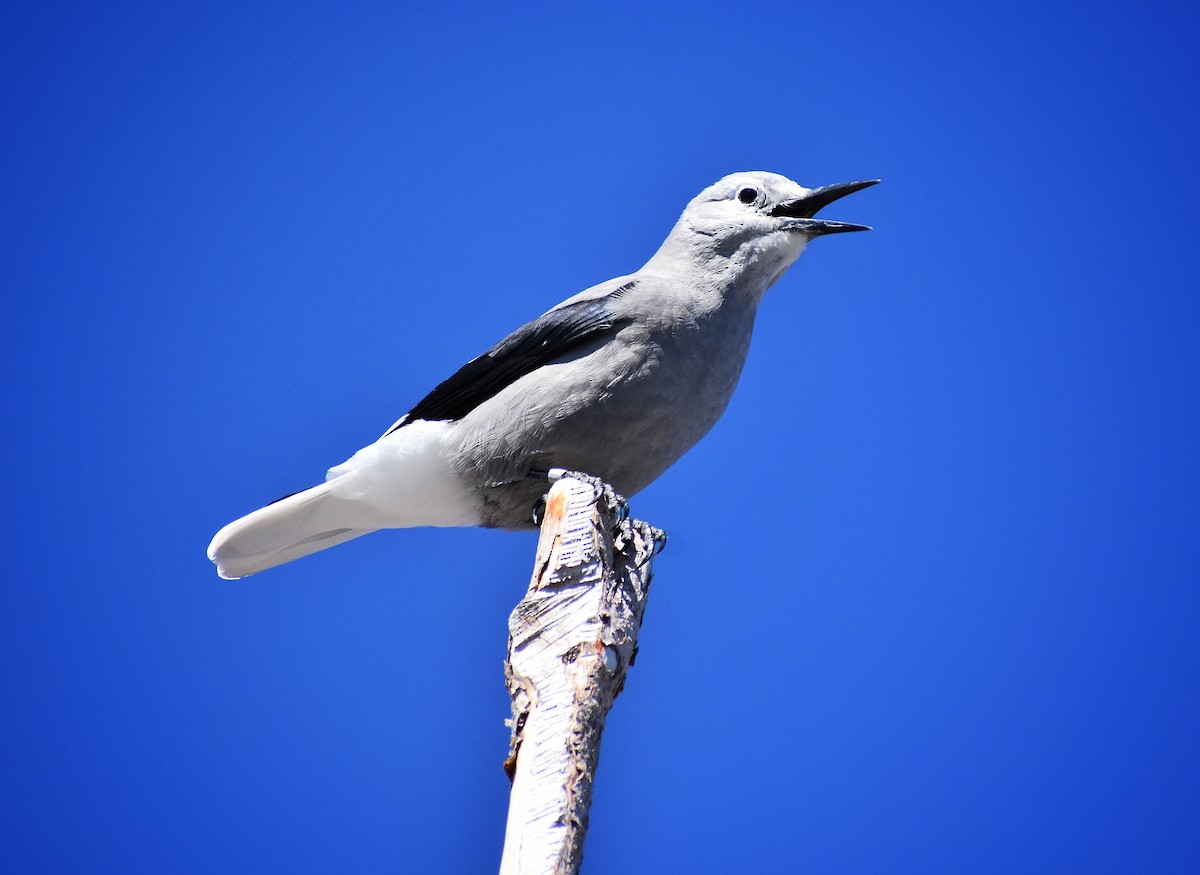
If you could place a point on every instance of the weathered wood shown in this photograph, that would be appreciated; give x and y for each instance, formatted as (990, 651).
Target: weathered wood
(571, 640)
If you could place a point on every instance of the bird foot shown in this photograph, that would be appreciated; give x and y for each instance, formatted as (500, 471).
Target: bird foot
(604, 492)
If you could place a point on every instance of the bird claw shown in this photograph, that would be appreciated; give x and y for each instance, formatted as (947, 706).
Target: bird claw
(622, 505)
(538, 514)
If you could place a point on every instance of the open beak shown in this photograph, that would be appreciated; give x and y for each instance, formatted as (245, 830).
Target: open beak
(800, 211)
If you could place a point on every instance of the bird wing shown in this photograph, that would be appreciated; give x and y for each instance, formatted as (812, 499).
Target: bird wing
(551, 336)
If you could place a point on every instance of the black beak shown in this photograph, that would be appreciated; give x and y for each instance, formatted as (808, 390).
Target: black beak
(802, 209)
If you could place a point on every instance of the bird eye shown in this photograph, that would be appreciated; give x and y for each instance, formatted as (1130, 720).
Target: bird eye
(748, 195)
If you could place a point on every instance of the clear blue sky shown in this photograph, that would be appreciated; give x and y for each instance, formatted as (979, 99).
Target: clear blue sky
(931, 598)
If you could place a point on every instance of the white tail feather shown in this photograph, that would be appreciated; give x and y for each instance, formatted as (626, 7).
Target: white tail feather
(400, 481)
(292, 527)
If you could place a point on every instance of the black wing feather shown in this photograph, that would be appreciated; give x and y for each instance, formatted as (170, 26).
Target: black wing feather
(549, 337)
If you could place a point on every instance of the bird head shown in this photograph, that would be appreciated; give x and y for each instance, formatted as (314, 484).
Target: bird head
(754, 224)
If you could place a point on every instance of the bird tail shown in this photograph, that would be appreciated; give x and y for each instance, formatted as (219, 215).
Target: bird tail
(292, 527)
(401, 480)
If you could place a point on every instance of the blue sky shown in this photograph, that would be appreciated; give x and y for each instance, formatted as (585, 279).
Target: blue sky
(930, 602)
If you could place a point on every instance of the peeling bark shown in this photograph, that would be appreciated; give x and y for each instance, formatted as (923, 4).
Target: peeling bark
(571, 641)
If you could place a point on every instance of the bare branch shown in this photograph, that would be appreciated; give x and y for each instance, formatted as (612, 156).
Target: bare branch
(571, 641)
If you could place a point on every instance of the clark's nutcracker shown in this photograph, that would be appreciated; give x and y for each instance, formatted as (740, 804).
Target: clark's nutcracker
(618, 382)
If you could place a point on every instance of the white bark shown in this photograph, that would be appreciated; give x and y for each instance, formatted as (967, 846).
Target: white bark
(571, 640)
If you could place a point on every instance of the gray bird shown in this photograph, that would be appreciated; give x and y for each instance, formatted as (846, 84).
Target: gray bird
(618, 382)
